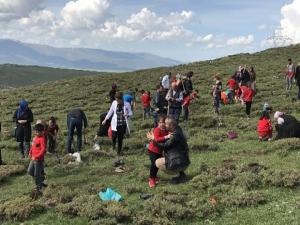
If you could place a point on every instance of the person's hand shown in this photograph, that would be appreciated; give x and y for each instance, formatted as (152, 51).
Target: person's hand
(103, 122)
(157, 109)
(22, 121)
(150, 136)
(168, 136)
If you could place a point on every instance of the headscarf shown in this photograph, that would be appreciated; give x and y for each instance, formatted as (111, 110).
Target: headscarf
(22, 109)
(277, 115)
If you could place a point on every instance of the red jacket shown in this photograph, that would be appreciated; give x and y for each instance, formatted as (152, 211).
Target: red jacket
(38, 148)
(146, 100)
(159, 136)
(231, 84)
(264, 127)
(247, 93)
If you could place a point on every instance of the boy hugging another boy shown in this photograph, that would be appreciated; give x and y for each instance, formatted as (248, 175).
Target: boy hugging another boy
(37, 154)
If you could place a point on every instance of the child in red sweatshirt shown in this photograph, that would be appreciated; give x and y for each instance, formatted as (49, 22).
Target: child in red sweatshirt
(146, 100)
(186, 103)
(37, 154)
(247, 97)
(160, 135)
(264, 127)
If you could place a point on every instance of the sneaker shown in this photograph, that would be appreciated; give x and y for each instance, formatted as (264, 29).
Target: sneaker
(152, 182)
(157, 180)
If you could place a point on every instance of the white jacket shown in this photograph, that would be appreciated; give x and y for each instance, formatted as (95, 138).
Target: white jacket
(113, 112)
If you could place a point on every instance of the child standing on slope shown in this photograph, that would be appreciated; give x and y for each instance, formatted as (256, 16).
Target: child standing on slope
(247, 97)
(146, 102)
(160, 135)
(37, 154)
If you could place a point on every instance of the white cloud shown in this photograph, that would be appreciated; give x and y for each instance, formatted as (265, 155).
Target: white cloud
(205, 40)
(14, 9)
(290, 23)
(147, 25)
(241, 40)
(84, 14)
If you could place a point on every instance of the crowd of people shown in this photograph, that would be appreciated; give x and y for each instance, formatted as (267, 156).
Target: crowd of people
(168, 148)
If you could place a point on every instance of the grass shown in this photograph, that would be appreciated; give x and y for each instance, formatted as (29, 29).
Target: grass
(250, 182)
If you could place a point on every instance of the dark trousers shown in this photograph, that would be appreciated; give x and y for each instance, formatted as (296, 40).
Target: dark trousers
(51, 144)
(248, 108)
(24, 148)
(175, 111)
(74, 123)
(36, 170)
(119, 134)
(186, 112)
(146, 113)
(153, 169)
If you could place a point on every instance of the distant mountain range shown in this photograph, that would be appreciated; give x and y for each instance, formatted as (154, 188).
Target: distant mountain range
(15, 52)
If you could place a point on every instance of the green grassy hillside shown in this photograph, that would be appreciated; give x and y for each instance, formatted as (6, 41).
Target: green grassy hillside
(252, 182)
(13, 76)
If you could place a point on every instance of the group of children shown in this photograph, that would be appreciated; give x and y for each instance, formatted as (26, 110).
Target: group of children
(240, 87)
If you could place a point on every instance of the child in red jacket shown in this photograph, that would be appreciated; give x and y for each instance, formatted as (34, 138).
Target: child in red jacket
(146, 100)
(247, 97)
(37, 154)
(160, 135)
(264, 127)
(186, 103)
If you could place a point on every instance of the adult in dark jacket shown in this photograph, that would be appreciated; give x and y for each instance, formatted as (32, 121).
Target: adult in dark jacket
(245, 77)
(76, 119)
(176, 151)
(160, 104)
(287, 126)
(23, 117)
(188, 84)
(297, 77)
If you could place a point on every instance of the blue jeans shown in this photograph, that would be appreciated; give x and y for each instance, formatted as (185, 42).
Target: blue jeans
(72, 124)
(289, 82)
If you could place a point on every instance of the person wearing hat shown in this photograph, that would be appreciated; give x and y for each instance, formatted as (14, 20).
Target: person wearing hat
(23, 117)
(37, 155)
(297, 77)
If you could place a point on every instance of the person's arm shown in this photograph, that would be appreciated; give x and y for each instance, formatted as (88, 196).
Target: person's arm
(15, 116)
(168, 96)
(85, 122)
(167, 144)
(157, 136)
(110, 113)
(30, 119)
(129, 112)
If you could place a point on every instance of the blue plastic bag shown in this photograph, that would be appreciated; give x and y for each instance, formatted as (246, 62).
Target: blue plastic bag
(110, 195)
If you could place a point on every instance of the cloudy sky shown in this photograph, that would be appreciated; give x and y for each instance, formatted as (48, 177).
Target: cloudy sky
(186, 30)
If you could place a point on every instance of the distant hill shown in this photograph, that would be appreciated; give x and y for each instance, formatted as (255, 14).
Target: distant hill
(12, 76)
(14, 52)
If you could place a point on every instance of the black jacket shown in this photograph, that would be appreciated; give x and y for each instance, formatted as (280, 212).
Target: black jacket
(289, 129)
(188, 87)
(160, 102)
(78, 114)
(297, 76)
(176, 150)
(23, 131)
